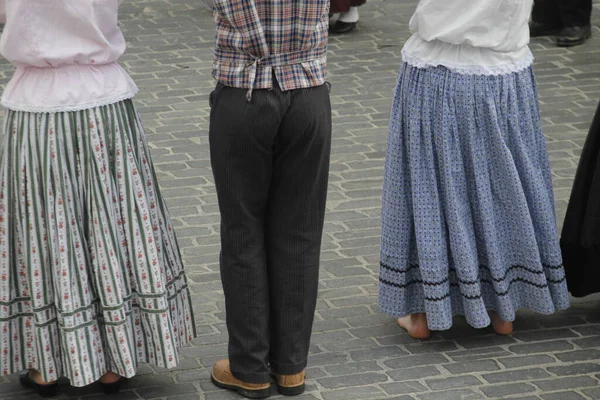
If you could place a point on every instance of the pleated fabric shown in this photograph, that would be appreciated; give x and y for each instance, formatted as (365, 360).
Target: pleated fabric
(468, 211)
(91, 278)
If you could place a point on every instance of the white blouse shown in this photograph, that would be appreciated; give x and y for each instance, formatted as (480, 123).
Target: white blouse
(483, 37)
(65, 53)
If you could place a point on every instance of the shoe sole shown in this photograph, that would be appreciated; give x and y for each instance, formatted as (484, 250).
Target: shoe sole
(41, 390)
(248, 393)
(291, 390)
(575, 43)
(111, 388)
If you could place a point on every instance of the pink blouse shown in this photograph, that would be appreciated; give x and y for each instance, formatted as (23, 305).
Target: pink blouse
(65, 53)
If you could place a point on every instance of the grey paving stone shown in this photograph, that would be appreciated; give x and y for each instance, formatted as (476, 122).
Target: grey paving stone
(566, 383)
(516, 375)
(526, 361)
(563, 396)
(408, 374)
(363, 379)
(403, 387)
(592, 393)
(575, 369)
(432, 347)
(459, 394)
(166, 391)
(579, 355)
(472, 366)
(541, 347)
(415, 361)
(501, 391)
(353, 368)
(365, 392)
(549, 334)
(453, 383)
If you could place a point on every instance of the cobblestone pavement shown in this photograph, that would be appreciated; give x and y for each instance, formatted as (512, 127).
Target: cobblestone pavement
(357, 353)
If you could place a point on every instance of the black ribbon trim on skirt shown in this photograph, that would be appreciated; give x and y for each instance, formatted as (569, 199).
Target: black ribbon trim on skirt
(465, 282)
(457, 282)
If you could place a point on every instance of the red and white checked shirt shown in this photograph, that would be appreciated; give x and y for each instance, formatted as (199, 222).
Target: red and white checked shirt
(259, 38)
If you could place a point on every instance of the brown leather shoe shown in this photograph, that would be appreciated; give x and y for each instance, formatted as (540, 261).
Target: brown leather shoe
(290, 385)
(222, 377)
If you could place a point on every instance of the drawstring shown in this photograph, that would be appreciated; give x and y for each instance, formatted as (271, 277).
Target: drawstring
(252, 77)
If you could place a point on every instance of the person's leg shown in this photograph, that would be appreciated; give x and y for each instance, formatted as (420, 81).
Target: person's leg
(295, 224)
(546, 18)
(575, 12)
(241, 141)
(349, 16)
(339, 6)
(576, 18)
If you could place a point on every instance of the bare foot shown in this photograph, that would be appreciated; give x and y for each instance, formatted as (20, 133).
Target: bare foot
(36, 377)
(415, 325)
(110, 377)
(501, 327)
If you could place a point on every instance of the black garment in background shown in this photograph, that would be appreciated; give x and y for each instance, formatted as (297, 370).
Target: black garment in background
(580, 239)
(563, 13)
(270, 160)
(338, 6)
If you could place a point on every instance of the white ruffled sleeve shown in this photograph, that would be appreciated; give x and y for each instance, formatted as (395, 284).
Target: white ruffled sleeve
(481, 23)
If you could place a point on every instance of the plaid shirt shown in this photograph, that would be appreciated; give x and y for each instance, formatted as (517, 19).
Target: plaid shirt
(256, 38)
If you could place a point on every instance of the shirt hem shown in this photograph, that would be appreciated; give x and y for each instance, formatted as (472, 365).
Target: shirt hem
(466, 69)
(68, 108)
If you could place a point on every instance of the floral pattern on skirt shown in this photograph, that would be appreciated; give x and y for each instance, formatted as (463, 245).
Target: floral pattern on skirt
(91, 278)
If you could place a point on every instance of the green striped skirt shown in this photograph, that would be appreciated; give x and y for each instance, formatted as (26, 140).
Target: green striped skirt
(91, 278)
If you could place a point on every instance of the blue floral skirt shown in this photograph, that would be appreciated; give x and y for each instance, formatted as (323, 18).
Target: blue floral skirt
(468, 211)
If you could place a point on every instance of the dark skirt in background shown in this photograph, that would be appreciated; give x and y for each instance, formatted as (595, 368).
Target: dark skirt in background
(338, 6)
(580, 240)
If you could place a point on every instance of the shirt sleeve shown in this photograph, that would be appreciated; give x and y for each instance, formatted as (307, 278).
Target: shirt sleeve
(481, 23)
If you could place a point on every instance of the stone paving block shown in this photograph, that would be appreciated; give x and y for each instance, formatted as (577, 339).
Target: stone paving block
(416, 373)
(587, 342)
(563, 396)
(403, 387)
(415, 361)
(516, 375)
(533, 336)
(459, 394)
(453, 383)
(472, 366)
(123, 395)
(566, 383)
(526, 361)
(433, 347)
(346, 381)
(365, 392)
(509, 389)
(478, 354)
(164, 391)
(485, 341)
(592, 393)
(353, 368)
(541, 347)
(579, 355)
(575, 369)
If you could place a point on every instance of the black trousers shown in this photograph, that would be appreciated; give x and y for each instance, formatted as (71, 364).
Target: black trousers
(563, 13)
(270, 160)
